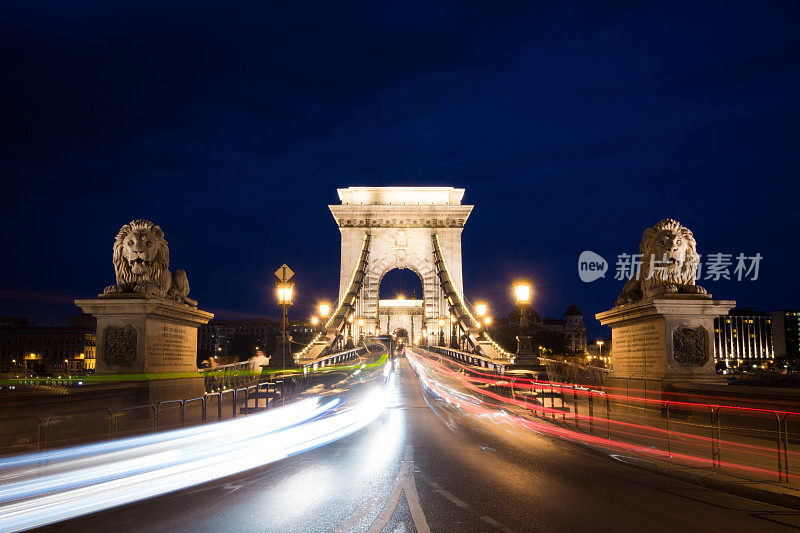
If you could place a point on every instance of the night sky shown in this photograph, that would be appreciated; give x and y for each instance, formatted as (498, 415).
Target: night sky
(572, 127)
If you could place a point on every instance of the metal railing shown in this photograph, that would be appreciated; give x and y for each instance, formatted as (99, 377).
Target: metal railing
(229, 376)
(469, 358)
(92, 425)
(333, 358)
(240, 398)
(750, 443)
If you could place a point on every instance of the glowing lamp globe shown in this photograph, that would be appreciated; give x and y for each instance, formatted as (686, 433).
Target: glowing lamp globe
(523, 291)
(324, 309)
(285, 290)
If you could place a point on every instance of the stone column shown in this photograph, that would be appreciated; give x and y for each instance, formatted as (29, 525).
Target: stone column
(153, 340)
(668, 338)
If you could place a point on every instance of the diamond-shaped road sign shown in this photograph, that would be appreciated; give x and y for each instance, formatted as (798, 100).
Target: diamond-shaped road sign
(284, 273)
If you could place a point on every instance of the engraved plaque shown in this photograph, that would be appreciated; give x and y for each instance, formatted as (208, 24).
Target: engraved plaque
(120, 345)
(689, 346)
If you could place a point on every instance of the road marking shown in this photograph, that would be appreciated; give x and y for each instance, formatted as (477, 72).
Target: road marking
(405, 483)
(494, 523)
(355, 519)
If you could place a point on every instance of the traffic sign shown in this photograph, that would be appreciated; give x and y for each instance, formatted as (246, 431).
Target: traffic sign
(284, 273)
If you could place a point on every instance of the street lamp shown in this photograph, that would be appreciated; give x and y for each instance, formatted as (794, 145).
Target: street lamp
(285, 291)
(441, 332)
(453, 332)
(349, 339)
(314, 322)
(523, 294)
(324, 310)
(600, 348)
(480, 311)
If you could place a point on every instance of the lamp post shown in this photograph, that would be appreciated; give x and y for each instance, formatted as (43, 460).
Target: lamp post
(324, 310)
(600, 349)
(285, 290)
(441, 332)
(523, 294)
(480, 311)
(349, 341)
(314, 323)
(453, 332)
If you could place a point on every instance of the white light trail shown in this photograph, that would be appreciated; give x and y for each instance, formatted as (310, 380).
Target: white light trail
(43, 488)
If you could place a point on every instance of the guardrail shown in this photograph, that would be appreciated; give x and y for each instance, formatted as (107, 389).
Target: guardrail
(35, 433)
(566, 371)
(753, 444)
(331, 359)
(229, 376)
(469, 358)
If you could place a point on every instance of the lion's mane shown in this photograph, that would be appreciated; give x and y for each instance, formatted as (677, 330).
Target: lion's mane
(654, 280)
(159, 271)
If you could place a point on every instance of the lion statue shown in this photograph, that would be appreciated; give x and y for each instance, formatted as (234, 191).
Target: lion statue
(141, 262)
(669, 263)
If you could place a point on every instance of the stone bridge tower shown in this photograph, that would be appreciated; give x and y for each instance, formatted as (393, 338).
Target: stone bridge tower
(401, 221)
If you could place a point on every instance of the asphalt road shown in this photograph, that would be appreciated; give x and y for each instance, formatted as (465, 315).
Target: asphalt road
(425, 465)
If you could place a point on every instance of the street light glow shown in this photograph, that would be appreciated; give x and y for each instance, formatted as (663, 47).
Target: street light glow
(480, 309)
(285, 292)
(523, 291)
(324, 309)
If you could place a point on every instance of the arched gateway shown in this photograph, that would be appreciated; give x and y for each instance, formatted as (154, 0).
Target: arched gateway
(418, 228)
(400, 222)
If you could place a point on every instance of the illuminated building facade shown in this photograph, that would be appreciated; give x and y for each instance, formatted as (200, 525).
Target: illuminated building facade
(215, 337)
(52, 349)
(743, 337)
(785, 328)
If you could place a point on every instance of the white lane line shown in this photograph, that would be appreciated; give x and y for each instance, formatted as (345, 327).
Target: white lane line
(405, 483)
(447, 494)
(351, 524)
(494, 523)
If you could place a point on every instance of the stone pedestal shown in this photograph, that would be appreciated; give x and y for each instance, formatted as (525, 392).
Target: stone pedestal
(668, 338)
(153, 340)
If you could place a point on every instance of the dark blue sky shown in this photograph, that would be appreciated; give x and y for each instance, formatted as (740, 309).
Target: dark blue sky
(571, 126)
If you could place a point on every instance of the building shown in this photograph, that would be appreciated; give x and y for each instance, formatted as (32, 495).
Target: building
(51, 349)
(785, 326)
(215, 337)
(743, 337)
(571, 324)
